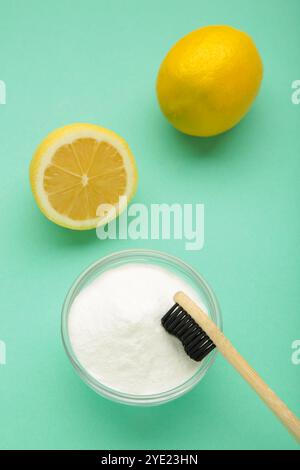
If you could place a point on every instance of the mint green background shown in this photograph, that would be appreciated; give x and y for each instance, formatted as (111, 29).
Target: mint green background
(97, 62)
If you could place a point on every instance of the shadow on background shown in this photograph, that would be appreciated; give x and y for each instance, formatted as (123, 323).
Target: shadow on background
(147, 425)
(225, 146)
(48, 232)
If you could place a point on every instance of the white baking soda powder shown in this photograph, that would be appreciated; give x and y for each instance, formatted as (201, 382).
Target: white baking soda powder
(116, 333)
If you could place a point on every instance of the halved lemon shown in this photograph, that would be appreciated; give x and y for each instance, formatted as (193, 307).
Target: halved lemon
(78, 169)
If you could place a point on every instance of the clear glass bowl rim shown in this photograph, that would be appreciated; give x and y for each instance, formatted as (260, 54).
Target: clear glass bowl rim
(107, 262)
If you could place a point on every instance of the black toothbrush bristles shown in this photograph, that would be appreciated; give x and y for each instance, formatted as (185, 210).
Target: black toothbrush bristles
(195, 341)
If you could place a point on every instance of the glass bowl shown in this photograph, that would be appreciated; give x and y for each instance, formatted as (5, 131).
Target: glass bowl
(149, 257)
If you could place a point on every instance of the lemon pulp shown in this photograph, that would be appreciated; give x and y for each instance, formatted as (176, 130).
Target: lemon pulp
(78, 168)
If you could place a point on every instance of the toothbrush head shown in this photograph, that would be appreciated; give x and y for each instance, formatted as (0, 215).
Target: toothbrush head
(195, 341)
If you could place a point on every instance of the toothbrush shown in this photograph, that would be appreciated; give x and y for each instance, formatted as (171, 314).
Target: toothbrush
(200, 336)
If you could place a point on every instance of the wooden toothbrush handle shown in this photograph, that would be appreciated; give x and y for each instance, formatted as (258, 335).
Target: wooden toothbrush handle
(280, 409)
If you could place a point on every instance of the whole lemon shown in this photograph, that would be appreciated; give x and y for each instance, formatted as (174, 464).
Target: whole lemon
(209, 79)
